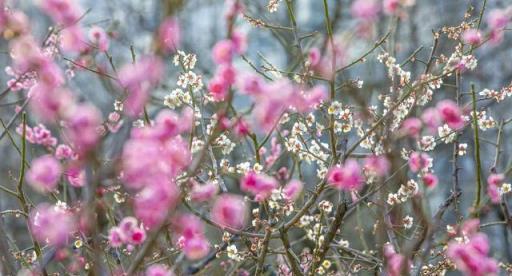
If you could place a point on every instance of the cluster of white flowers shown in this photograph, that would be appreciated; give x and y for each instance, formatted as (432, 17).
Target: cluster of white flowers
(497, 95)
(273, 5)
(225, 144)
(188, 61)
(408, 222)
(177, 98)
(484, 122)
(446, 134)
(405, 192)
(427, 143)
(457, 61)
(191, 80)
(463, 147)
(394, 69)
(233, 253)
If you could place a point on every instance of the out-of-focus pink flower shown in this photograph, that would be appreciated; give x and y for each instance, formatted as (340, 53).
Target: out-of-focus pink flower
(99, 38)
(65, 12)
(64, 151)
(44, 174)
(153, 202)
(169, 34)
(52, 224)
(251, 84)
(82, 127)
(233, 8)
(115, 237)
(259, 185)
(241, 128)
(377, 165)
(471, 258)
(450, 114)
(391, 6)
(498, 19)
(470, 227)
(310, 99)
(49, 104)
(365, 9)
(138, 79)
(395, 262)
(494, 182)
(430, 180)
(472, 36)
(347, 177)
(292, 190)
(418, 161)
(203, 192)
(75, 176)
(314, 56)
(431, 118)
(158, 270)
(411, 127)
(223, 51)
(15, 21)
(73, 40)
(190, 236)
(239, 40)
(230, 211)
(218, 89)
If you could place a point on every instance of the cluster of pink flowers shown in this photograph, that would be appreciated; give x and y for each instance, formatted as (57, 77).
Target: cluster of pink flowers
(471, 257)
(128, 232)
(377, 165)
(260, 185)
(158, 270)
(203, 192)
(53, 225)
(39, 135)
(153, 179)
(347, 177)
(169, 35)
(273, 99)
(190, 236)
(292, 190)
(334, 58)
(445, 112)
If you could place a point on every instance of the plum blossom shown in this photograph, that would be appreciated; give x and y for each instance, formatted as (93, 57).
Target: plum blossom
(158, 270)
(292, 190)
(190, 236)
(377, 165)
(430, 180)
(494, 182)
(169, 34)
(99, 38)
(44, 174)
(472, 36)
(347, 177)
(51, 224)
(365, 9)
(259, 185)
(82, 127)
(471, 257)
(230, 211)
(419, 161)
(395, 261)
(203, 192)
(451, 114)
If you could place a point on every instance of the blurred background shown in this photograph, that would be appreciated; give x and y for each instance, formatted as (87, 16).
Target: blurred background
(134, 21)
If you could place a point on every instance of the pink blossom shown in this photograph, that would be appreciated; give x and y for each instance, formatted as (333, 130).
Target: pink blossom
(49, 104)
(153, 202)
(430, 180)
(52, 225)
(158, 270)
(472, 36)
(411, 127)
(251, 84)
(377, 165)
(82, 127)
(64, 12)
(292, 190)
(497, 19)
(391, 6)
(230, 211)
(347, 177)
(38, 135)
(115, 237)
(450, 114)
(99, 38)
(259, 185)
(241, 128)
(138, 79)
(233, 8)
(169, 34)
(395, 262)
(365, 9)
(494, 182)
(73, 40)
(314, 56)
(471, 258)
(203, 192)
(418, 161)
(310, 99)
(239, 40)
(223, 51)
(63, 151)
(190, 232)
(44, 174)
(75, 176)
(431, 118)
(218, 89)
